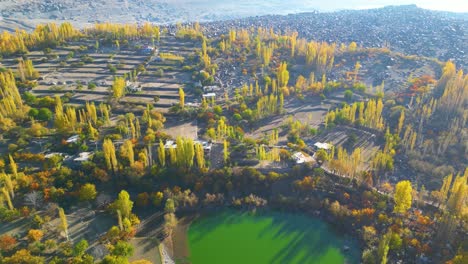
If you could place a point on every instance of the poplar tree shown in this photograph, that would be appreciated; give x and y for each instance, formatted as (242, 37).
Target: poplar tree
(226, 153)
(118, 87)
(13, 166)
(109, 155)
(8, 184)
(7, 198)
(161, 154)
(126, 151)
(401, 121)
(403, 197)
(63, 222)
(283, 75)
(181, 98)
(384, 246)
(172, 156)
(200, 156)
(456, 204)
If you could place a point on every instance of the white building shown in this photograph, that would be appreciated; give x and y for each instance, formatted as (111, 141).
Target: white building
(206, 145)
(83, 156)
(209, 96)
(299, 157)
(73, 139)
(324, 146)
(210, 89)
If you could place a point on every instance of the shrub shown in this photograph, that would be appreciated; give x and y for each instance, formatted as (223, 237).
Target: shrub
(91, 86)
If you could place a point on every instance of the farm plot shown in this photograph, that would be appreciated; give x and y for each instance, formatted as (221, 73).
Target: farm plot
(350, 138)
(310, 112)
(87, 72)
(165, 75)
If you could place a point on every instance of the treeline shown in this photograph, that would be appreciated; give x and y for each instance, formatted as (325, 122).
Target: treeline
(12, 108)
(51, 35)
(43, 36)
(111, 31)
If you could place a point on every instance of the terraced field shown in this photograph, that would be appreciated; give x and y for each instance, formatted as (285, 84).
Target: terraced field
(72, 68)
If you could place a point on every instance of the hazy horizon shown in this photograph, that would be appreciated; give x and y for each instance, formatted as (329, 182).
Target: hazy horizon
(297, 6)
(458, 6)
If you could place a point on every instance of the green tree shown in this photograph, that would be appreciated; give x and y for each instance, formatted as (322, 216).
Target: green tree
(403, 197)
(44, 114)
(88, 192)
(122, 249)
(123, 204)
(80, 248)
(321, 155)
(348, 95)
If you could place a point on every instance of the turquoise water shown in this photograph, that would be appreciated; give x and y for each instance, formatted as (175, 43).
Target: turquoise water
(233, 237)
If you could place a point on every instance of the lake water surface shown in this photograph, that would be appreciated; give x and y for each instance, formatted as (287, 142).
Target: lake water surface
(233, 237)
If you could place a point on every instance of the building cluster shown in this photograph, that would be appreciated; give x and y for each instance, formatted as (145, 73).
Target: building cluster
(406, 29)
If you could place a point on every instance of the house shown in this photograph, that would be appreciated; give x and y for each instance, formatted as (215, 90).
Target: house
(324, 146)
(210, 89)
(209, 96)
(205, 144)
(50, 155)
(133, 87)
(73, 139)
(83, 157)
(298, 157)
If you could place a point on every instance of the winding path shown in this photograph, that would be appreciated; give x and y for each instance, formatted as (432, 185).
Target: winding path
(165, 257)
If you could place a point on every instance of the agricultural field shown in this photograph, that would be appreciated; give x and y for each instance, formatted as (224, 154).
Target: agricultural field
(86, 70)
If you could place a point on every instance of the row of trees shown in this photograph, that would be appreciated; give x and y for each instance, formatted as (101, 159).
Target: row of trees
(347, 164)
(366, 114)
(43, 36)
(113, 31)
(12, 108)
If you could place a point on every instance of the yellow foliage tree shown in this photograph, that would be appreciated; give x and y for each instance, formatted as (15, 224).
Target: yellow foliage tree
(118, 87)
(403, 197)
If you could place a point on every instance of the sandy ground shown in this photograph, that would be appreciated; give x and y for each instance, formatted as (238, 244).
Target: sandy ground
(185, 128)
(180, 241)
(146, 248)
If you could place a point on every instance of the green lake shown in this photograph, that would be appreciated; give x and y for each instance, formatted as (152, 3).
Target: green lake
(269, 237)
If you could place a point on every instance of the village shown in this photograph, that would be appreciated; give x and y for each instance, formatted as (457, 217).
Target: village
(255, 115)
